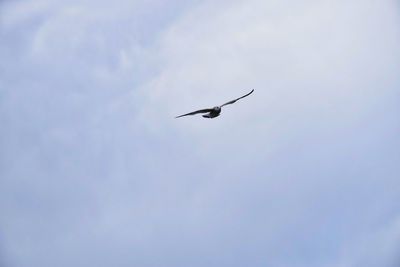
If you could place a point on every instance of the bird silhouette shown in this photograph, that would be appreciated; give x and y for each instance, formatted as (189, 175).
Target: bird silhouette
(215, 111)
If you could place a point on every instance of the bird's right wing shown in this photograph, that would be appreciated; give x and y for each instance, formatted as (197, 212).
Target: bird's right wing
(234, 101)
(196, 112)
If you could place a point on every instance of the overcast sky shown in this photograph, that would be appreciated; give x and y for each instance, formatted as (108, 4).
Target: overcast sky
(95, 170)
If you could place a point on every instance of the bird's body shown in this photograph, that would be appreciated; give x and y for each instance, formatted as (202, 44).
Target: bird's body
(215, 111)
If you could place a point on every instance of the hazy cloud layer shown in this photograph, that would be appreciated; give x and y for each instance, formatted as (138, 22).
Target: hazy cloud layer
(96, 172)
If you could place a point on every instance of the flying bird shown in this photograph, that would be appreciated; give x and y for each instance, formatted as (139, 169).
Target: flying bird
(215, 111)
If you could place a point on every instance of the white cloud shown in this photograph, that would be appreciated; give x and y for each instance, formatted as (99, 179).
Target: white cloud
(96, 172)
(320, 51)
(379, 248)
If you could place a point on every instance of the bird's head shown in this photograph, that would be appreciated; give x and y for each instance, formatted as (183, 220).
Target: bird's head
(216, 108)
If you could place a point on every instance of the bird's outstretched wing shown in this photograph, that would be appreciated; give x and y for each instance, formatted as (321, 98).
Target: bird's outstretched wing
(196, 112)
(233, 101)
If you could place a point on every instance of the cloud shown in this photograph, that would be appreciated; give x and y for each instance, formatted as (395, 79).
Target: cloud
(379, 248)
(96, 172)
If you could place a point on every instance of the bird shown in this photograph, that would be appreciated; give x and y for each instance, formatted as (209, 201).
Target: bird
(215, 111)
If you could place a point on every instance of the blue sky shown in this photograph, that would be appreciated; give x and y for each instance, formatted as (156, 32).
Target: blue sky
(95, 170)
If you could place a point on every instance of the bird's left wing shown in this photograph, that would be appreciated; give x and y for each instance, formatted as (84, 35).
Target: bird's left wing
(196, 112)
(233, 101)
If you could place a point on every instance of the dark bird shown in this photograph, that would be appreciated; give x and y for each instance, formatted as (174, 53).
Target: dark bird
(215, 111)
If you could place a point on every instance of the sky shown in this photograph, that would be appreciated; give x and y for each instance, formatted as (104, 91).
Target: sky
(96, 171)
